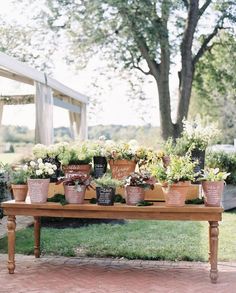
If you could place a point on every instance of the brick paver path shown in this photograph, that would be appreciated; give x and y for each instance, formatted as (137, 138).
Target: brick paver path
(88, 275)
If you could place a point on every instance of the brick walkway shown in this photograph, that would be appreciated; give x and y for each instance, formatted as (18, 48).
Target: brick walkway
(88, 275)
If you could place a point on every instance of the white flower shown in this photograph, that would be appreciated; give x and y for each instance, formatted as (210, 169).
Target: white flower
(50, 171)
(25, 168)
(40, 160)
(32, 164)
(41, 165)
(38, 172)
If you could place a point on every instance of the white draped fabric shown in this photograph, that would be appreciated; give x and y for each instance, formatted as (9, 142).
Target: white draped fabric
(1, 112)
(44, 114)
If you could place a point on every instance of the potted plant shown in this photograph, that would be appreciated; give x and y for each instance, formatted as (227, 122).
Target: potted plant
(49, 154)
(99, 157)
(105, 189)
(75, 187)
(122, 159)
(196, 138)
(38, 179)
(76, 159)
(213, 181)
(18, 179)
(175, 179)
(226, 162)
(135, 185)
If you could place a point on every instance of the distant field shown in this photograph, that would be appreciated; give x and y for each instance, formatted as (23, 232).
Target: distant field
(10, 158)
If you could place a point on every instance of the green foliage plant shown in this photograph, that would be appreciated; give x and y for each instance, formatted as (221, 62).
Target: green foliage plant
(225, 162)
(121, 150)
(179, 169)
(76, 154)
(213, 174)
(107, 181)
(19, 176)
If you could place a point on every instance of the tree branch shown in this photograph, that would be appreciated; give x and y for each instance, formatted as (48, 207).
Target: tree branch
(137, 66)
(186, 3)
(204, 47)
(204, 7)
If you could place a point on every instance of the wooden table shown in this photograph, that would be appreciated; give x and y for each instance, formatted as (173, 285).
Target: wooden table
(119, 211)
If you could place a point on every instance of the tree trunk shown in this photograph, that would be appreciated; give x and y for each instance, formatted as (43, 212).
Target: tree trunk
(187, 71)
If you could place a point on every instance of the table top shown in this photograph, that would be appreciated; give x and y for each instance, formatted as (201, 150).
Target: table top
(156, 211)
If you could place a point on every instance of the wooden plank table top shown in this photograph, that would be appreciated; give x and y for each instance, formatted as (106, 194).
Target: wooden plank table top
(157, 211)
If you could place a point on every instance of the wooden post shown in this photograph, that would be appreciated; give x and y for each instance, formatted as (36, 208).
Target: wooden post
(11, 229)
(213, 233)
(37, 228)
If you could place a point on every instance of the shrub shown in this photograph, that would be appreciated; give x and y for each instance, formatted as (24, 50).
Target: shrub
(223, 161)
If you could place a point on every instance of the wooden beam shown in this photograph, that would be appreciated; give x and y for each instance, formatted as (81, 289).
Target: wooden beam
(16, 77)
(63, 104)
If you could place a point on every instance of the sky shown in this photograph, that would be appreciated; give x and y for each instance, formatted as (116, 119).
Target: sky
(114, 106)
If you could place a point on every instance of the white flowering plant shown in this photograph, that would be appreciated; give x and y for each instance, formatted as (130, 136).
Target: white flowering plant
(197, 136)
(51, 151)
(122, 150)
(98, 147)
(40, 170)
(77, 154)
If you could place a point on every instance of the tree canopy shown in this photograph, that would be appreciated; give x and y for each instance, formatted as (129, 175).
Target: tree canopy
(214, 88)
(150, 36)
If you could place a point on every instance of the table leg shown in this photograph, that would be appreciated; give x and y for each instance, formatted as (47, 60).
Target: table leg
(11, 229)
(213, 234)
(37, 226)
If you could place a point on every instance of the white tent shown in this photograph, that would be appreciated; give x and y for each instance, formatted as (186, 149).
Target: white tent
(48, 92)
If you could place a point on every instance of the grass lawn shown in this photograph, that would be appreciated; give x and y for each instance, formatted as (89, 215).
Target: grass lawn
(133, 240)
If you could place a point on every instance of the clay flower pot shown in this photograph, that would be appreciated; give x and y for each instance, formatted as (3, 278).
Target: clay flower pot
(72, 170)
(175, 194)
(75, 194)
(19, 191)
(38, 190)
(213, 192)
(134, 194)
(120, 169)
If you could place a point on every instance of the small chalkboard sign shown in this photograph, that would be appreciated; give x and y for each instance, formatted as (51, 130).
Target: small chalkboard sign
(105, 196)
(100, 166)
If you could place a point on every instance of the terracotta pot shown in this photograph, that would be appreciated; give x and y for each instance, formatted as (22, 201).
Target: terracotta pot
(75, 194)
(120, 169)
(19, 191)
(134, 194)
(175, 194)
(105, 196)
(213, 192)
(38, 190)
(72, 170)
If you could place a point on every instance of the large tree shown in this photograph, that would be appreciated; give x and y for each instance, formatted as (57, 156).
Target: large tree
(148, 35)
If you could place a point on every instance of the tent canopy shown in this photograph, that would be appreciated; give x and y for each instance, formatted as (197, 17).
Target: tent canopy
(48, 92)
